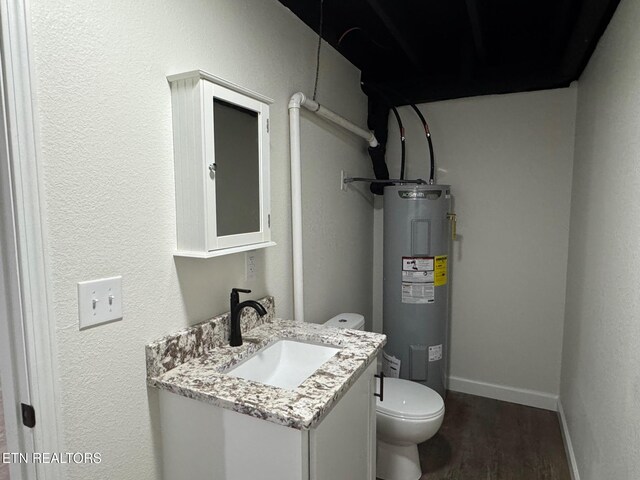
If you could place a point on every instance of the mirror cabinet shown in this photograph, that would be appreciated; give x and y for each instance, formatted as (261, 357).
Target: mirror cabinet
(221, 156)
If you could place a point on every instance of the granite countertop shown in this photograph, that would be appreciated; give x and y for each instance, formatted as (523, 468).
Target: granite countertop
(200, 373)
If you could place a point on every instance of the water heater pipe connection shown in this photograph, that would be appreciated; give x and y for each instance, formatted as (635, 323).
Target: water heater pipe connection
(394, 181)
(300, 100)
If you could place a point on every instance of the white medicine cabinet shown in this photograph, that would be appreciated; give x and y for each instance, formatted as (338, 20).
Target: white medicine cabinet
(221, 156)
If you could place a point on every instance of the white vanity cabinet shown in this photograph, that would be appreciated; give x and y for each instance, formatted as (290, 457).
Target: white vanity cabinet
(201, 441)
(221, 160)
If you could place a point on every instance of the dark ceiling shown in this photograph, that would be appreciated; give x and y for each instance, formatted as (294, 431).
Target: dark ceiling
(418, 51)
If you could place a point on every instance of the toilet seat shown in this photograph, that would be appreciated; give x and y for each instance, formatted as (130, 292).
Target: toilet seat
(409, 400)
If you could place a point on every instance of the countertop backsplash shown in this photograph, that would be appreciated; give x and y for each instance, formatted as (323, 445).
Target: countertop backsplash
(183, 346)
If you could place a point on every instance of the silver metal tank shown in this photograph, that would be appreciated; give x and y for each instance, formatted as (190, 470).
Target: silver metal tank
(417, 235)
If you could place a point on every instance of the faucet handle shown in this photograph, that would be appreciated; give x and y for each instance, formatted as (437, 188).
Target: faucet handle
(235, 295)
(240, 290)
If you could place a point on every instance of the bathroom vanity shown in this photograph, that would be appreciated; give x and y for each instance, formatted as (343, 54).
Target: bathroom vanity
(265, 409)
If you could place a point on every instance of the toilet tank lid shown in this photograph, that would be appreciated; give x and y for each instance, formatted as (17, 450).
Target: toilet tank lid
(347, 320)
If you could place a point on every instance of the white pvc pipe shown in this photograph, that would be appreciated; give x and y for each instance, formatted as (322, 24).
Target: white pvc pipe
(300, 100)
(338, 120)
(296, 211)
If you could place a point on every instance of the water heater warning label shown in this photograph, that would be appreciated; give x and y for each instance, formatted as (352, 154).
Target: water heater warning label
(417, 264)
(435, 353)
(418, 280)
(441, 270)
(418, 292)
(417, 277)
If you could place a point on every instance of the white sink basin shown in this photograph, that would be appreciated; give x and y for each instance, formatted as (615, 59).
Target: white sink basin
(284, 364)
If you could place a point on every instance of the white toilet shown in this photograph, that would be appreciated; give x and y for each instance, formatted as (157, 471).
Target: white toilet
(410, 413)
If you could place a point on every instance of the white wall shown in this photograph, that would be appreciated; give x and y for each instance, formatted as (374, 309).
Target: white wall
(337, 224)
(106, 141)
(600, 389)
(508, 159)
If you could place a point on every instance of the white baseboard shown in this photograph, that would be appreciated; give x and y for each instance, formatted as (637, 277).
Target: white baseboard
(531, 398)
(568, 446)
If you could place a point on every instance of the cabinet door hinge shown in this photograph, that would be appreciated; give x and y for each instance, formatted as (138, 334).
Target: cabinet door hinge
(28, 415)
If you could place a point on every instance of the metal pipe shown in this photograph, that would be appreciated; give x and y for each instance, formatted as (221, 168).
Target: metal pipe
(300, 100)
(394, 181)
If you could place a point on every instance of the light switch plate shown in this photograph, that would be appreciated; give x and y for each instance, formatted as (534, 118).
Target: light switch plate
(99, 301)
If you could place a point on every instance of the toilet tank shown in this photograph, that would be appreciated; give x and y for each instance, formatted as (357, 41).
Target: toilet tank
(354, 321)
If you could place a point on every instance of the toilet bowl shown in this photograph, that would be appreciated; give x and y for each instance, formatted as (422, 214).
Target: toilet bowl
(409, 414)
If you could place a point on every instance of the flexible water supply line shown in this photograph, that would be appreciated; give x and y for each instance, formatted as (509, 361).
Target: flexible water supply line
(300, 100)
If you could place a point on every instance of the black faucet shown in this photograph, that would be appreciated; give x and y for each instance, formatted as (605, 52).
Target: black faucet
(235, 337)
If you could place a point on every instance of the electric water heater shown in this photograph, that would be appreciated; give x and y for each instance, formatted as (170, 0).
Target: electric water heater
(417, 238)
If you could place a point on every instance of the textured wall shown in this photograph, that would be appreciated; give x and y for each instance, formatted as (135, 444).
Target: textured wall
(337, 224)
(4, 467)
(600, 376)
(105, 130)
(508, 159)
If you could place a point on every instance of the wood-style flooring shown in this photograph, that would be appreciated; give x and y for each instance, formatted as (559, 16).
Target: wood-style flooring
(480, 439)
(485, 439)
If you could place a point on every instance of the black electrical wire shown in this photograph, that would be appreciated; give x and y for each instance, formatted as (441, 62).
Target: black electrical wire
(432, 176)
(315, 84)
(428, 134)
(402, 141)
(365, 33)
(432, 162)
(400, 126)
